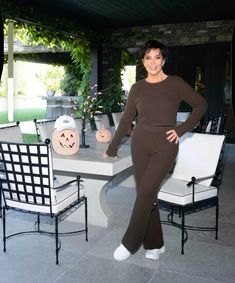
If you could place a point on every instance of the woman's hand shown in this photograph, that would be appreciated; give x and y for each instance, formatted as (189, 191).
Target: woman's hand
(172, 136)
(105, 155)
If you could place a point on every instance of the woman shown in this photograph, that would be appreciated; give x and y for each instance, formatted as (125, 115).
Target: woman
(154, 102)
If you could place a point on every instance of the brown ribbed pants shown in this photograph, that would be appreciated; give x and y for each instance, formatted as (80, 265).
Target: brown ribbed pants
(152, 157)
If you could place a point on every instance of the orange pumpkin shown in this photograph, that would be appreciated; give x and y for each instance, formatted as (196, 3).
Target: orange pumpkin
(103, 135)
(66, 141)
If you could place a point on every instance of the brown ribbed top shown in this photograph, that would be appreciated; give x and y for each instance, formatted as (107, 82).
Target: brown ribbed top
(157, 104)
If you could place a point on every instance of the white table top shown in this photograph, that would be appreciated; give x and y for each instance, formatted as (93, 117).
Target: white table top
(90, 161)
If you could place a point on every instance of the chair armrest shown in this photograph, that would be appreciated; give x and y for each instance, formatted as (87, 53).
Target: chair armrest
(195, 180)
(65, 185)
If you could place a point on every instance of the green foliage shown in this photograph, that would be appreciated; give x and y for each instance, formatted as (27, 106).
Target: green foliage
(36, 35)
(52, 77)
(69, 83)
(112, 97)
(79, 48)
(81, 58)
(88, 106)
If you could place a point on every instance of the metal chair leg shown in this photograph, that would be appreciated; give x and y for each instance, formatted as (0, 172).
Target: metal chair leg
(56, 240)
(4, 229)
(86, 226)
(0, 204)
(180, 212)
(216, 218)
(38, 222)
(172, 214)
(182, 230)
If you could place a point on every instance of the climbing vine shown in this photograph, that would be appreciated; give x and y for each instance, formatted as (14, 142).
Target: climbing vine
(79, 48)
(112, 95)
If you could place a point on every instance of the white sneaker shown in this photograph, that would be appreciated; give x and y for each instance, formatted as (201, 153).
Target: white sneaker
(154, 254)
(121, 253)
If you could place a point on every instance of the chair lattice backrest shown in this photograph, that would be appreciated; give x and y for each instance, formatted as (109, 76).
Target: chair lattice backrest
(28, 173)
(217, 124)
(213, 125)
(198, 156)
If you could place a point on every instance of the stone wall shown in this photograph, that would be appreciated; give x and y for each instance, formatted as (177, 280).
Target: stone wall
(132, 39)
(174, 34)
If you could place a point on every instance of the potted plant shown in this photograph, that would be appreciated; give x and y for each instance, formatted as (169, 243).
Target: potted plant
(86, 107)
(112, 101)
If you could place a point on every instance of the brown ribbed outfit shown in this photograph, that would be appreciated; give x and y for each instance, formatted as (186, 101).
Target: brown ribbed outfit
(156, 106)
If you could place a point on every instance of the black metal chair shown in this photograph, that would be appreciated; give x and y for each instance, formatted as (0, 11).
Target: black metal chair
(28, 186)
(212, 125)
(44, 129)
(194, 184)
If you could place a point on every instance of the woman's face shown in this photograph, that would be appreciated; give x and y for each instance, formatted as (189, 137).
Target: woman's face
(153, 62)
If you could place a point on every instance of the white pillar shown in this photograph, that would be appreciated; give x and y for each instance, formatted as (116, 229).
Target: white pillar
(10, 92)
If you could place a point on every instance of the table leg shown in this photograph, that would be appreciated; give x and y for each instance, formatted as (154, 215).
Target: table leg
(99, 212)
(96, 188)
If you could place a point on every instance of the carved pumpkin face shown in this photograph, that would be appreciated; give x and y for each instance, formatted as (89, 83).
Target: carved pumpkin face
(103, 135)
(65, 142)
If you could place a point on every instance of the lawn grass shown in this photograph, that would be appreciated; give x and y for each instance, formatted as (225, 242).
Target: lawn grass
(24, 115)
(30, 138)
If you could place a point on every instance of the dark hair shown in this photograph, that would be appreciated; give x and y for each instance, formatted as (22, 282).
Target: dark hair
(154, 44)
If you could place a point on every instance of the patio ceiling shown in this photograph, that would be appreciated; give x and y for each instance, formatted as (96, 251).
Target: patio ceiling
(98, 15)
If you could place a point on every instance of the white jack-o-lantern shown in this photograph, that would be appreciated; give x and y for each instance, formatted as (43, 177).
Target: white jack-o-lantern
(65, 139)
(103, 135)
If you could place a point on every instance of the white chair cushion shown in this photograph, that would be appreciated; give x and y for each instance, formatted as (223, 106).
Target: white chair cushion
(176, 192)
(63, 198)
(60, 199)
